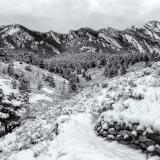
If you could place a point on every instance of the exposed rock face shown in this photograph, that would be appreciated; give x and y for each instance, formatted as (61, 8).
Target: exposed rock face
(133, 135)
(145, 39)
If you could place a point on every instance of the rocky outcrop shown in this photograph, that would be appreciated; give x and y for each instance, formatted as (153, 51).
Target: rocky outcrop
(132, 134)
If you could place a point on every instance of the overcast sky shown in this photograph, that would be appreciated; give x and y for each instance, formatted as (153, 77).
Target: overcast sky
(63, 15)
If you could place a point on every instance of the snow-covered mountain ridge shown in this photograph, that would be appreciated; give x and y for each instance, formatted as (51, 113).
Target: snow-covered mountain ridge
(145, 39)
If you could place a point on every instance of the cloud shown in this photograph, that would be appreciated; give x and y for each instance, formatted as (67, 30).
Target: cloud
(63, 15)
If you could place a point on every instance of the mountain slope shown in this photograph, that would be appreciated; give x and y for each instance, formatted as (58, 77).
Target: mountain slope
(145, 39)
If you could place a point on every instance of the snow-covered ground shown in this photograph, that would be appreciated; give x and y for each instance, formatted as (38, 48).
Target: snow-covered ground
(78, 141)
(5, 85)
(34, 98)
(134, 97)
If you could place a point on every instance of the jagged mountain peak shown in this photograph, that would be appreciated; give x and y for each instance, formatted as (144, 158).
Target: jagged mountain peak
(153, 25)
(145, 39)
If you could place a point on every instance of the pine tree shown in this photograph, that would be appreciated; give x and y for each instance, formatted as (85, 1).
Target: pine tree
(1, 95)
(72, 86)
(41, 65)
(24, 85)
(10, 69)
(111, 72)
(63, 93)
(83, 74)
(9, 116)
(123, 70)
(14, 84)
(39, 85)
(106, 70)
(52, 83)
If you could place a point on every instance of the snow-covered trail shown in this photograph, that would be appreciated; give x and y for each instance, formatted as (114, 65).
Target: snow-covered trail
(77, 141)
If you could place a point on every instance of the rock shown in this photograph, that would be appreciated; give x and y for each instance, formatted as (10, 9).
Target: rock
(111, 125)
(124, 142)
(146, 140)
(101, 132)
(134, 133)
(128, 138)
(105, 126)
(143, 146)
(99, 128)
(140, 130)
(112, 131)
(129, 127)
(157, 149)
(118, 127)
(119, 137)
(102, 122)
(136, 142)
(110, 137)
(151, 148)
(134, 127)
(125, 132)
(123, 126)
(153, 136)
(149, 130)
(134, 146)
(105, 134)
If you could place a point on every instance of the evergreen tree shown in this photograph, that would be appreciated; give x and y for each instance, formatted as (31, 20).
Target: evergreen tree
(24, 84)
(1, 95)
(10, 69)
(72, 86)
(123, 70)
(41, 65)
(9, 116)
(63, 90)
(39, 85)
(14, 84)
(83, 74)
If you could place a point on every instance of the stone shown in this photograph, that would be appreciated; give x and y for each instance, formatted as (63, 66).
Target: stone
(129, 127)
(101, 132)
(118, 127)
(110, 137)
(149, 130)
(105, 126)
(125, 142)
(136, 142)
(111, 125)
(143, 146)
(140, 130)
(157, 149)
(105, 134)
(125, 132)
(153, 136)
(134, 127)
(134, 146)
(134, 133)
(146, 140)
(112, 131)
(119, 137)
(99, 128)
(151, 148)
(128, 138)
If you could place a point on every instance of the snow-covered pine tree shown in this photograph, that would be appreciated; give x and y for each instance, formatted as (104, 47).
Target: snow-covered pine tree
(9, 114)
(123, 69)
(24, 84)
(10, 69)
